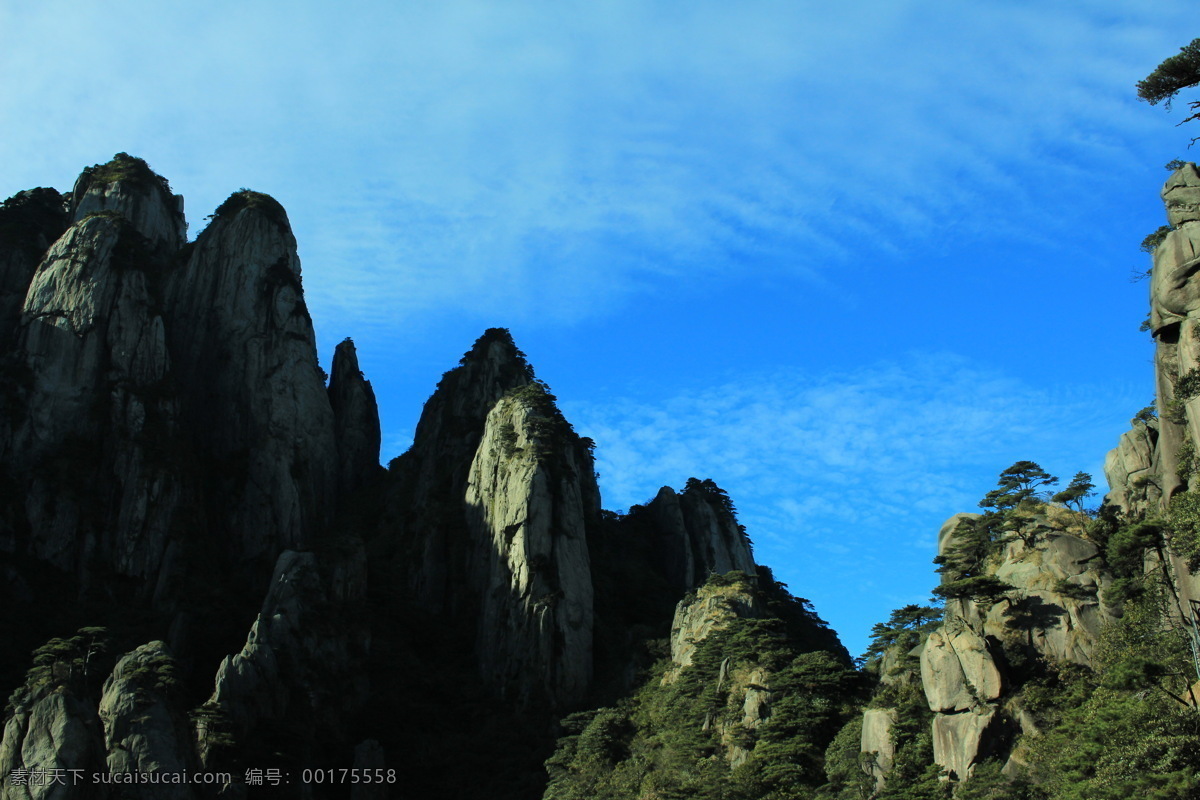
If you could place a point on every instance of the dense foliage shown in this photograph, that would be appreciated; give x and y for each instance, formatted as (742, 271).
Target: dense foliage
(688, 731)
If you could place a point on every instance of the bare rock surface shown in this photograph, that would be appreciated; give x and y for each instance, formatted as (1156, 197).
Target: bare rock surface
(50, 729)
(246, 358)
(695, 536)
(878, 743)
(144, 732)
(303, 658)
(960, 741)
(527, 511)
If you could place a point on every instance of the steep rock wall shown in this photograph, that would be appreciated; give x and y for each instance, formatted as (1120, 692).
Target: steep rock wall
(696, 535)
(529, 500)
(246, 359)
(355, 421)
(94, 414)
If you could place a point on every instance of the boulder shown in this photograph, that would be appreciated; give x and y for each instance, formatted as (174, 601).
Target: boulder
(960, 741)
(958, 671)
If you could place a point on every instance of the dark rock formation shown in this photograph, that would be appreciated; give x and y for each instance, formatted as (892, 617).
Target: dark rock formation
(492, 506)
(697, 535)
(355, 421)
(246, 360)
(303, 661)
(144, 730)
(29, 223)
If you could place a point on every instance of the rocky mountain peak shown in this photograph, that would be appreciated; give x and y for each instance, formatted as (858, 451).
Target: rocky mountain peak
(127, 186)
(466, 394)
(355, 420)
(696, 534)
(30, 222)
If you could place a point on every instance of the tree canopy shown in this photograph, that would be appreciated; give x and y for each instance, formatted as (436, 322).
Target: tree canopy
(1179, 72)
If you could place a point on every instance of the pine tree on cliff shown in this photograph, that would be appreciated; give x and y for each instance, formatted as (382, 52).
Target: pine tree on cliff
(1173, 75)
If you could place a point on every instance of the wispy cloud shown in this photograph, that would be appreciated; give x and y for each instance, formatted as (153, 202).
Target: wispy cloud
(540, 159)
(853, 472)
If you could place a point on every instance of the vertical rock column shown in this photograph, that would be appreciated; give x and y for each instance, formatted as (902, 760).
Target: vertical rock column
(1175, 323)
(92, 423)
(355, 421)
(527, 500)
(247, 362)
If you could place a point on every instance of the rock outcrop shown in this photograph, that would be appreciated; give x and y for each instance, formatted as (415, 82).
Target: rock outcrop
(712, 608)
(30, 222)
(490, 515)
(127, 187)
(878, 744)
(697, 535)
(303, 659)
(93, 402)
(246, 358)
(1129, 469)
(51, 732)
(144, 732)
(163, 403)
(530, 495)
(355, 422)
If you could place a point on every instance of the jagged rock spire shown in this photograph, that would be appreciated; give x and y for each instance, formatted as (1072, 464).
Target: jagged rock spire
(247, 360)
(355, 420)
(490, 513)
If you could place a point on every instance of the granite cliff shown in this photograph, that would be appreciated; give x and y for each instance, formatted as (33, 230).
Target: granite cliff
(212, 572)
(206, 568)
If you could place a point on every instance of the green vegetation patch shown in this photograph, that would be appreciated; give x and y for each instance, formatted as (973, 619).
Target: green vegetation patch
(126, 169)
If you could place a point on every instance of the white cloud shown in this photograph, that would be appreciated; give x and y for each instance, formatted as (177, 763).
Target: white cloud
(851, 473)
(542, 160)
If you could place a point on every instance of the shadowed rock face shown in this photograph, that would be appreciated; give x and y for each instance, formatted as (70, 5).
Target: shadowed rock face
(93, 392)
(490, 511)
(163, 402)
(303, 660)
(355, 421)
(246, 360)
(695, 536)
(29, 223)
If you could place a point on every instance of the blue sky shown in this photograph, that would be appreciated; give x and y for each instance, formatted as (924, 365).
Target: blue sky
(851, 263)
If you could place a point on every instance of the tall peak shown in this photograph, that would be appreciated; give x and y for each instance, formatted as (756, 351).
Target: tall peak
(260, 202)
(129, 187)
(491, 368)
(355, 420)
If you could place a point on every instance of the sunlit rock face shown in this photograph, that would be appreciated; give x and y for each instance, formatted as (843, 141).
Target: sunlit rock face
(529, 500)
(92, 414)
(1175, 323)
(1054, 611)
(1129, 469)
(488, 522)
